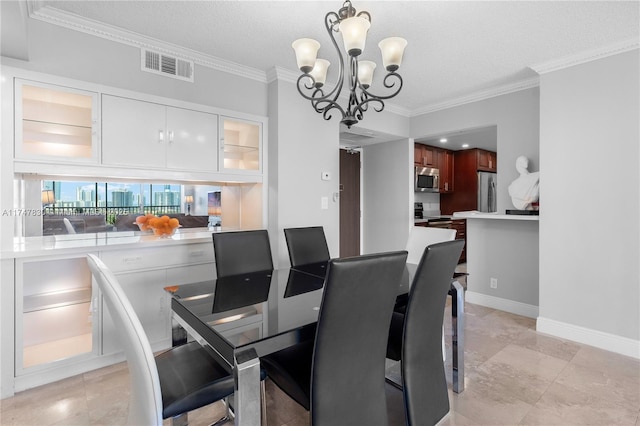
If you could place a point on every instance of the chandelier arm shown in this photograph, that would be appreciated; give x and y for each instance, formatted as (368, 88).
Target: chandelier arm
(353, 85)
(360, 109)
(363, 99)
(316, 100)
(321, 104)
(387, 85)
(365, 15)
(325, 106)
(331, 21)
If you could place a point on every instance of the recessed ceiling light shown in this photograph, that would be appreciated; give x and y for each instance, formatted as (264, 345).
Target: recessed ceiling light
(465, 145)
(443, 140)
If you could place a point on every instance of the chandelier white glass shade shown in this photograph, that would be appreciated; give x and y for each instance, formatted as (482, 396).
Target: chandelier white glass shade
(359, 76)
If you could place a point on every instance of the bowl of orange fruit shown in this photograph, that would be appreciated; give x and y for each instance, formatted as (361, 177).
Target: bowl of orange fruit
(143, 222)
(164, 226)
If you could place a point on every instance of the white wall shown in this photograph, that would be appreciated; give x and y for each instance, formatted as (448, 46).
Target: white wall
(517, 117)
(73, 54)
(385, 121)
(302, 146)
(387, 175)
(589, 223)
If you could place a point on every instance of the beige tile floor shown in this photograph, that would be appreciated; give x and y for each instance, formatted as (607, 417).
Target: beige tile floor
(515, 376)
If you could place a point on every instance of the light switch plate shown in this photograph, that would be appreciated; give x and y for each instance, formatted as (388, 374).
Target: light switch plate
(324, 203)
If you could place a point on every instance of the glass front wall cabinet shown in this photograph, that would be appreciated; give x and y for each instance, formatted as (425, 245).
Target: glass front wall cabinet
(56, 312)
(54, 122)
(240, 145)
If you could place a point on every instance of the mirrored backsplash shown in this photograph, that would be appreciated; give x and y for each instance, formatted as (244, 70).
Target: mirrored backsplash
(59, 207)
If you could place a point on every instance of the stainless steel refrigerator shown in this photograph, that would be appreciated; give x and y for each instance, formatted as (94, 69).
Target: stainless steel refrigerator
(487, 192)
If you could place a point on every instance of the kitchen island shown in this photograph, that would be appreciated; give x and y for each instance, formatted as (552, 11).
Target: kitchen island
(502, 261)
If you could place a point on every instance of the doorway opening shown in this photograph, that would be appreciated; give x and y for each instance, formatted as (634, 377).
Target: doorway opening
(349, 202)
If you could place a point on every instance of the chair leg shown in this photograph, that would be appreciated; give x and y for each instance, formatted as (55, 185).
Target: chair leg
(180, 420)
(263, 401)
(227, 417)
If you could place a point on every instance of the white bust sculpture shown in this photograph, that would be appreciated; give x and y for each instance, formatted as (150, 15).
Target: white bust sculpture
(525, 189)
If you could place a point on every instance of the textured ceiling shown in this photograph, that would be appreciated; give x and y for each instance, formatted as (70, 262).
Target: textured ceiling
(456, 48)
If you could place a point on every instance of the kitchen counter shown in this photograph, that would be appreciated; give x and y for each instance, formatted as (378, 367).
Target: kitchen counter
(434, 219)
(494, 216)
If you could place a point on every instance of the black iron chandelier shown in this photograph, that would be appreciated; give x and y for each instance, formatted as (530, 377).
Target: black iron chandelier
(353, 28)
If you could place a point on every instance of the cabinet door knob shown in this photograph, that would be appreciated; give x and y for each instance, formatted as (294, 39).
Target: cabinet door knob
(170, 136)
(160, 136)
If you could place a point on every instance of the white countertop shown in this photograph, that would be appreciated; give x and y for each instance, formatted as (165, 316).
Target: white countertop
(83, 243)
(494, 216)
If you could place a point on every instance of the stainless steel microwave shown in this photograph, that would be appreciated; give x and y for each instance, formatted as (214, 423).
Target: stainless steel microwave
(427, 179)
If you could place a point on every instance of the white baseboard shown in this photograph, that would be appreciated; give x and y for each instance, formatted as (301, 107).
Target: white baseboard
(518, 308)
(599, 339)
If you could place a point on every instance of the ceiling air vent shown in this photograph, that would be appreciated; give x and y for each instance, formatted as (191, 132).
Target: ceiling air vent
(170, 66)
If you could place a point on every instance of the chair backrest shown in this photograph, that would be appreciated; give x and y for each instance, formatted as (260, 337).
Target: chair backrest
(145, 405)
(68, 226)
(242, 252)
(306, 245)
(421, 236)
(423, 376)
(347, 380)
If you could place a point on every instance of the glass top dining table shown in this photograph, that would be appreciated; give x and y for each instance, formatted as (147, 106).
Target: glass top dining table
(244, 317)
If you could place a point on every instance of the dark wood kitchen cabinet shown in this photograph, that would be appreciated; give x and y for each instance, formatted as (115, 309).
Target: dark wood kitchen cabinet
(487, 161)
(438, 158)
(445, 164)
(467, 163)
(460, 225)
(424, 156)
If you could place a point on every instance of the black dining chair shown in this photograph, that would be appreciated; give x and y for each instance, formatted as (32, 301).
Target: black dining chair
(339, 376)
(415, 337)
(170, 384)
(306, 245)
(242, 252)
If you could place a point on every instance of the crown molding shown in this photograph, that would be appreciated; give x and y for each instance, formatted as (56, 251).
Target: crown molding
(54, 16)
(282, 74)
(478, 96)
(586, 56)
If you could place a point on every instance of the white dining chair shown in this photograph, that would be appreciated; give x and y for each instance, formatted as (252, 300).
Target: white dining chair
(68, 226)
(419, 238)
(169, 384)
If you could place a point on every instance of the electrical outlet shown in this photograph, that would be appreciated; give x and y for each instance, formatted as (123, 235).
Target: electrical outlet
(494, 283)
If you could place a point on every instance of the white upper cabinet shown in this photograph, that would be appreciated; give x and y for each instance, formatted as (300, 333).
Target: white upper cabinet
(240, 145)
(193, 140)
(144, 134)
(55, 123)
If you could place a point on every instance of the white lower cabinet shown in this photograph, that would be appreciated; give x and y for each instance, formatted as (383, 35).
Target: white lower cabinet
(145, 291)
(63, 327)
(143, 275)
(55, 309)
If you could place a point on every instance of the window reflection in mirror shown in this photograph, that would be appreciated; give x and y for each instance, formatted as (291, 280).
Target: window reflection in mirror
(79, 207)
